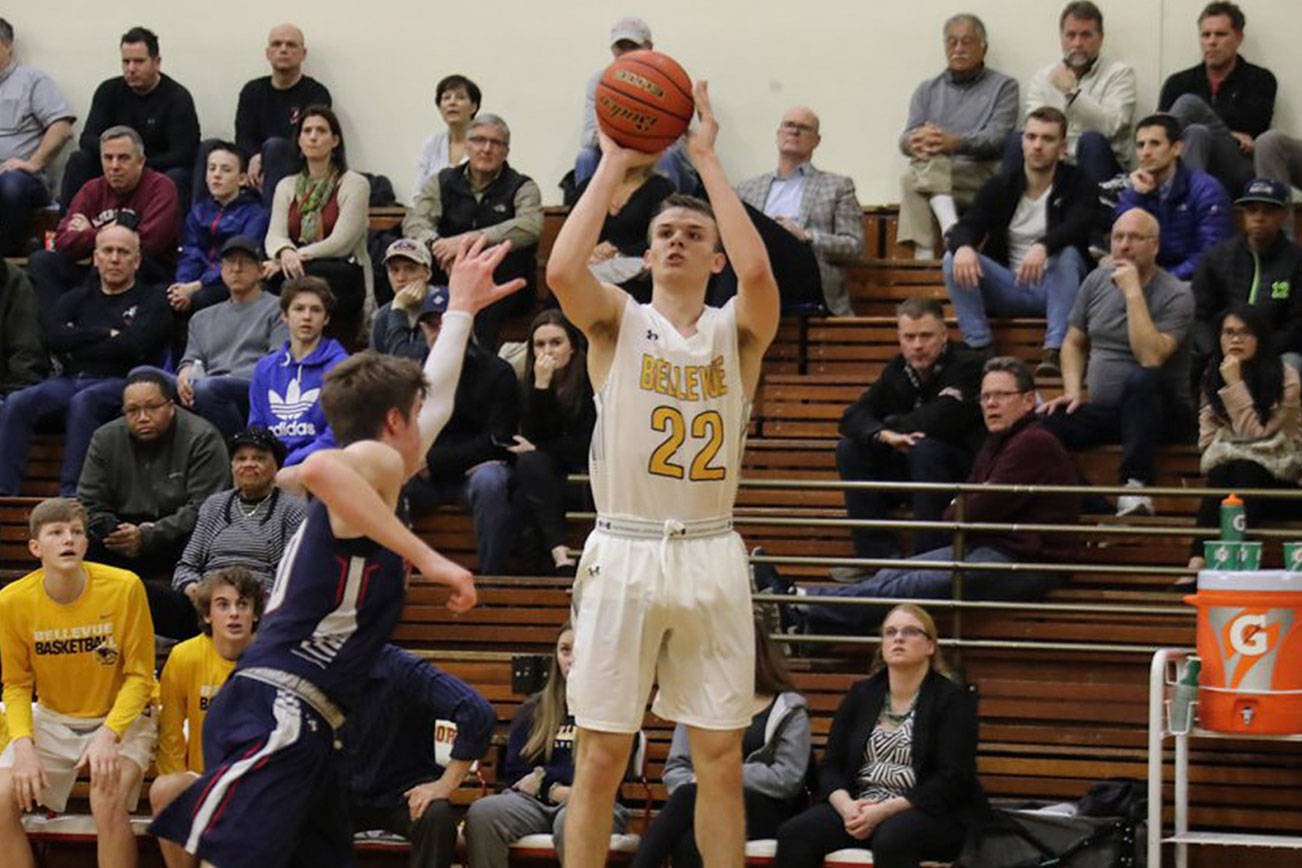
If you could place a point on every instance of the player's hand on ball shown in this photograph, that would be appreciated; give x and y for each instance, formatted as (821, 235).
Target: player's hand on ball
(470, 281)
(700, 141)
(625, 158)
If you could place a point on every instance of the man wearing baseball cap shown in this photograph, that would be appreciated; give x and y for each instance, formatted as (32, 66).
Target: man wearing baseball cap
(396, 331)
(1259, 266)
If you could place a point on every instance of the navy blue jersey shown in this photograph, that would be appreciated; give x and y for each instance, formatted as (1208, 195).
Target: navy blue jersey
(333, 605)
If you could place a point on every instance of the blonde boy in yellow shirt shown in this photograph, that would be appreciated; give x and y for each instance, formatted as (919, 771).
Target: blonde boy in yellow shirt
(230, 604)
(79, 636)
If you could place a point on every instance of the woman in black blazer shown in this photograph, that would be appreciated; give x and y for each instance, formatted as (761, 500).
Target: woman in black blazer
(899, 771)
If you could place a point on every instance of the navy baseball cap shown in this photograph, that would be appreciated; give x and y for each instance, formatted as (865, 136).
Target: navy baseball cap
(436, 301)
(1265, 190)
(243, 244)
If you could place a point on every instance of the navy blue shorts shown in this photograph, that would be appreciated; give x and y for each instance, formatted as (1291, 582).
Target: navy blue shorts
(272, 793)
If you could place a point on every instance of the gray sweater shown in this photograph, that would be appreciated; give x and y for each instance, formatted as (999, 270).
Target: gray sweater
(982, 112)
(227, 536)
(227, 339)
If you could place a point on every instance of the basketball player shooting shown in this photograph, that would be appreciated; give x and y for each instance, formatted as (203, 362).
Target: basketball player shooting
(663, 591)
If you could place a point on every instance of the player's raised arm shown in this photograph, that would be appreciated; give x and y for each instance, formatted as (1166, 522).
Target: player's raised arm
(470, 290)
(758, 305)
(593, 307)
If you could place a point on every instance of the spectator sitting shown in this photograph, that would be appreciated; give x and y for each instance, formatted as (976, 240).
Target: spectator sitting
(458, 99)
(23, 360)
(1096, 95)
(485, 198)
(130, 194)
(1223, 103)
(817, 208)
(149, 102)
(617, 258)
(226, 211)
(145, 476)
(1278, 156)
(98, 332)
(958, 123)
(396, 331)
(627, 34)
(227, 340)
(538, 770)
(319, 219)
(230, 604)
(285, 391)
(1248, 426)
(1191, 207)
(469, 461)
(899, 770)
(248, 526)
(88, 706)
(36, 123)
(271, 107)
(776, 747)
(556, 427)
(1129, 329)
(1259, 266)
(920, 422)
(396, 781)
(1034, 225)
(1017, 451)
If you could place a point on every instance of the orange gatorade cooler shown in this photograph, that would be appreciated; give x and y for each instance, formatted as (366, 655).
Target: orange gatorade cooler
(1250, 642)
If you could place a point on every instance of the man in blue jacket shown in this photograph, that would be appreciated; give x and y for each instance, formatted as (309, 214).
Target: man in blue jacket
(285, 392)
(1191, 207)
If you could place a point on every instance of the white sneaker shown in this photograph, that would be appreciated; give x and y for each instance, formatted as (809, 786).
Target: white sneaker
(1134, 504)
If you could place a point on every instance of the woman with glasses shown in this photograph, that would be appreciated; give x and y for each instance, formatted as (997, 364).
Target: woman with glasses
(898, 775)
(1248, 424)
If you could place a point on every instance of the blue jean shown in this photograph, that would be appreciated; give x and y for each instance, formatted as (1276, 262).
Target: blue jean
(999, 293)
(923, 583)
(20, 192)
(673, 164)
(487, 491)
(277, 162)
(88, 402)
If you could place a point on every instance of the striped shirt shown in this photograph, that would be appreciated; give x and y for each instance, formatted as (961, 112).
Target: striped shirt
(231, 533)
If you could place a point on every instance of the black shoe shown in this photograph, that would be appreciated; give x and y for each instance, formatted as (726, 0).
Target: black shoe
(767, 578)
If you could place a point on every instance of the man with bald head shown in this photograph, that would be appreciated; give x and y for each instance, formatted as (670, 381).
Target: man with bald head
(99, 331)
(270, 106)
(818, 209)
(1130, 329)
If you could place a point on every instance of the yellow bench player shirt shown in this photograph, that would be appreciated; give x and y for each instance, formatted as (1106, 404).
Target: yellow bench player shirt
(193, 674)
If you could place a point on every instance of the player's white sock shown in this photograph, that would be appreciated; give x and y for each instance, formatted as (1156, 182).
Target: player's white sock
(945, 210)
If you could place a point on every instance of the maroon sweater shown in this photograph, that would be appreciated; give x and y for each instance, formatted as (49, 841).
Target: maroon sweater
(1025, 454)
(154, 202)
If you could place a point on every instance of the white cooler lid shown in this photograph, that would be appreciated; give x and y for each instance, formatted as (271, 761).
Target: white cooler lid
(1274, 581)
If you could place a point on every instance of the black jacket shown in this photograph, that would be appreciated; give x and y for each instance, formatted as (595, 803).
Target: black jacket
(944, 745)
(485, 416)
(944, 407)
(1072, 202)
(1224, 277)
(23, 361)
(81, 329)
(1245, 100)
(165, 118)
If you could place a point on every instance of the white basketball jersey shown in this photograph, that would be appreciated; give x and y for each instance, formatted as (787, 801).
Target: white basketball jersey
(671, 419)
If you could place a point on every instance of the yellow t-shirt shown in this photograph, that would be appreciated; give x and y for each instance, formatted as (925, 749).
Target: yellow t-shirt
(191, 677)
(93, 657)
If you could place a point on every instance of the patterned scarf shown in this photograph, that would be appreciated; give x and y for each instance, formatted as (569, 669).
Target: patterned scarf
(311, 195)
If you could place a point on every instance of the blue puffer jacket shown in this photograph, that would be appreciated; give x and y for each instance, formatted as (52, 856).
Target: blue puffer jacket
(207, 228)
(1195, 214)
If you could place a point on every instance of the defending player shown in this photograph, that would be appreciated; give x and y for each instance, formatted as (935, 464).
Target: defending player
(272, 793)
(79, 634)
(230, 604)
(662, 589)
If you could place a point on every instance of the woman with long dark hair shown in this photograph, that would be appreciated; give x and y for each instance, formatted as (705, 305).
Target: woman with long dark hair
(556, 428)
(899, 771)
(1248, 424)
(776, 757)
(540, 764)
(319, 218)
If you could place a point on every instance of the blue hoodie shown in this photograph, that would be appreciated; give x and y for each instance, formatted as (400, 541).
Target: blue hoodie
(209, 225)
(285, 396)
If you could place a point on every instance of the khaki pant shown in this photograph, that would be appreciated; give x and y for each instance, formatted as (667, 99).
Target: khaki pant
(933, 177)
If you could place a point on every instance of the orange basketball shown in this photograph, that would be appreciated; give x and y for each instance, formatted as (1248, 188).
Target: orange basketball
(644, 101)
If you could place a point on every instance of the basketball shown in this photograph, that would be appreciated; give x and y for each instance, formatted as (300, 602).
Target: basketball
(644, 101)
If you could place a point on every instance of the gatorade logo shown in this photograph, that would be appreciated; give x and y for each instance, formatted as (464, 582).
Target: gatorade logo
(1239, 522)
(1248, 635)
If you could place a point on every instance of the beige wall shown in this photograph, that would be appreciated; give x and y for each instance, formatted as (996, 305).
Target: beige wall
(854, 62)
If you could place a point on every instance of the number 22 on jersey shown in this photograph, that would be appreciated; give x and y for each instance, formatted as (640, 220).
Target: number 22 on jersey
(705, 428)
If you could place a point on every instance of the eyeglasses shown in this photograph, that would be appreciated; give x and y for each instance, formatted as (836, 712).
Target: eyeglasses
(143, 409)
(906, 632)
(486, 142)
(793, 127)
(1131, 237)
(994, 397)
